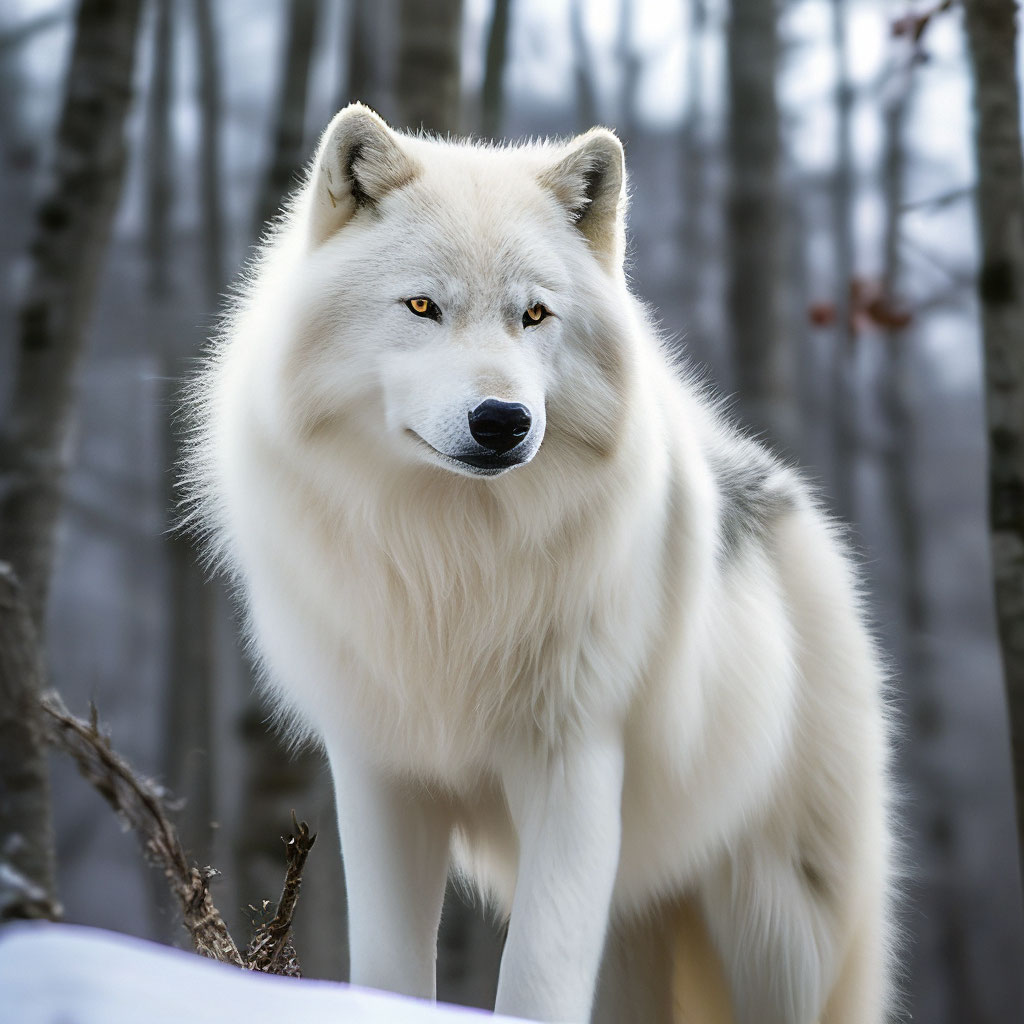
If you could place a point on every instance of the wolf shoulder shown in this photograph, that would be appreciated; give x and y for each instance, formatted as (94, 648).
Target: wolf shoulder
(751, 491)
(770, 520)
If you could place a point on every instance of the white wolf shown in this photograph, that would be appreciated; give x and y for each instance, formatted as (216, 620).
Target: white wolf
(554, 620)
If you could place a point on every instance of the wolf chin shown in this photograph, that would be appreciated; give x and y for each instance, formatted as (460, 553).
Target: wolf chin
(560, 627)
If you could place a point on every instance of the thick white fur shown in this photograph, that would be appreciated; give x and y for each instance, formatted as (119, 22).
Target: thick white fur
(606, 680)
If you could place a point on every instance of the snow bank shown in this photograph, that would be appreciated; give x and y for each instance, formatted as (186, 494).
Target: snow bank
(68, 974)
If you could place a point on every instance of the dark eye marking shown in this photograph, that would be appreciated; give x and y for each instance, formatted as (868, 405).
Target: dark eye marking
(422, 306)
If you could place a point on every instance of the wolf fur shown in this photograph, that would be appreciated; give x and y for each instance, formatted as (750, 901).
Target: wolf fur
(625, 685)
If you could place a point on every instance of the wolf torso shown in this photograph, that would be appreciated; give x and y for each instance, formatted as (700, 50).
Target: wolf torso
(446, 626)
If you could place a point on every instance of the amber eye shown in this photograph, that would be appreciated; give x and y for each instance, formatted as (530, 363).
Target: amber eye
(422, 306)
(535, 314)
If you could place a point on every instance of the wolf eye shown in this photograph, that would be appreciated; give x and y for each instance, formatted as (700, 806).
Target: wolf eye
(422, 306)
(535, 314)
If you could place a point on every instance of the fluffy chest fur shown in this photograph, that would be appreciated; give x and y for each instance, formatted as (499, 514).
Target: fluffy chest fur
(436, 616)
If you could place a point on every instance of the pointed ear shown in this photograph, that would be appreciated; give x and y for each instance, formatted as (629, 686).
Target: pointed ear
(590, 182)
(359, 161)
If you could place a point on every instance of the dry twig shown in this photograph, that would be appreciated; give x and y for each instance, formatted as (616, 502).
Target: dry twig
(270, 949)
(140, 803)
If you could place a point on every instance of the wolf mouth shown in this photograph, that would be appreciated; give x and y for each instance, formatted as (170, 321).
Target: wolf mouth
(479, 464)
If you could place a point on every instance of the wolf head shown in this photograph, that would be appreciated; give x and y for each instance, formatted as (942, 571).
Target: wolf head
(454, 302)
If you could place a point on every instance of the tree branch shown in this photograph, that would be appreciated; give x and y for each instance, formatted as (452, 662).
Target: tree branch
(140, 803)
(271, 941)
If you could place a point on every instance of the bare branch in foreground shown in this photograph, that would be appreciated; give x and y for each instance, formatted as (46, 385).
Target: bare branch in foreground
(140, 803)
(270, 949)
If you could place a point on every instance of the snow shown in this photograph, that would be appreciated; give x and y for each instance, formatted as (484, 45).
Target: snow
(55, 973)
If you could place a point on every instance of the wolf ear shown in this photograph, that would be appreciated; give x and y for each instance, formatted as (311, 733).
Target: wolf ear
(589, 181)
(359, 161)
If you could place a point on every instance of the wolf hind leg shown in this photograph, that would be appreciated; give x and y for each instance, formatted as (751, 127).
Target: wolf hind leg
(862, 991)
(700, 991)
(779, 938)
(635, 982)
(661, 968)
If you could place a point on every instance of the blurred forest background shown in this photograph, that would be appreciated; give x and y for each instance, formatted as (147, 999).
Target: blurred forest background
(802, 219)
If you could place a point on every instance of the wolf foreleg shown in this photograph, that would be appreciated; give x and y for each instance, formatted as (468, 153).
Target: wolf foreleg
(394, 843)
(567, 811)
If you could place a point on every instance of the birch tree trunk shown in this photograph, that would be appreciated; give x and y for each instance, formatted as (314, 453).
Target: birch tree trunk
(429, 44)
(70, 235)
(66, 254)
(27, 876)
(764, 361)
(991, 37)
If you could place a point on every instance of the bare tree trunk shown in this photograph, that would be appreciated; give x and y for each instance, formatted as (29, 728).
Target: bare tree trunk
(693, 183)
(189, 746)
(429, 44)
(287, 154)
(358, 80)
(209, 151)
(188, 738)
(494, 70)
(158, 181)
(188, 756)
(582, 68)
(71, 233)
(158, 151)
(630, 62)
(27, 876)
(764, 361)
(845, 446)
(896, 387)
(991, 36)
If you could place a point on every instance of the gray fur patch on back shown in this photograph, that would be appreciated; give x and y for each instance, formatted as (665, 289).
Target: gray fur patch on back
(754, 491)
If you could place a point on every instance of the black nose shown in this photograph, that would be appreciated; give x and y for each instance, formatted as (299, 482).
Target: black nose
(499, 426)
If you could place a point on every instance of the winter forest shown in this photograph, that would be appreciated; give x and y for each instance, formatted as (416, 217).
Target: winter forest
(827, 214)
